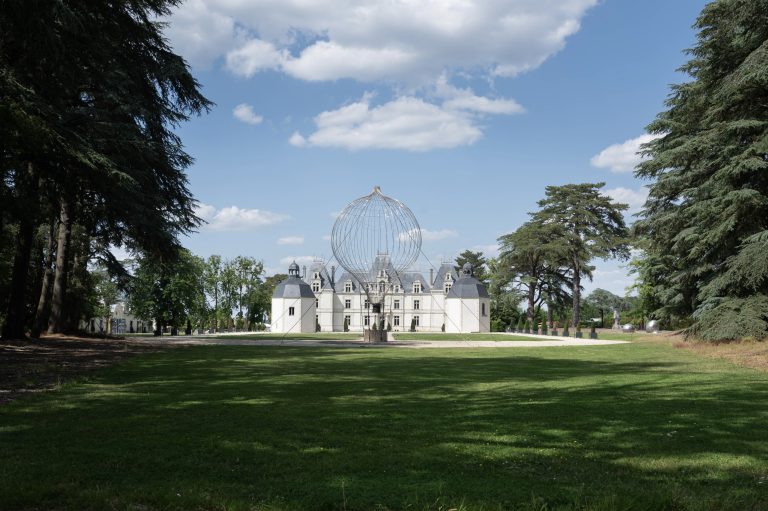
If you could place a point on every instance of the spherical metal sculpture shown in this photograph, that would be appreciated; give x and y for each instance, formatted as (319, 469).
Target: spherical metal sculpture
(628, 328)
(376, 238)
(652, 327)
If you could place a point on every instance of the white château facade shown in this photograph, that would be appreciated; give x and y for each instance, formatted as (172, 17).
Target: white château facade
(444, 301)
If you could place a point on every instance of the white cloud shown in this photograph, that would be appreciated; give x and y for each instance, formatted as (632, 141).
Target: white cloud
(465, 99)
(327, 60)
(244, 112)
(368, 40)
(200, 33)
(233, 218)
(611, 276)
(634, 198)
(300, 260)
(405, 123)
(487, 250)
(622, 157)
(254, 56)
(428, 235)
(327, 237)
(291, 240)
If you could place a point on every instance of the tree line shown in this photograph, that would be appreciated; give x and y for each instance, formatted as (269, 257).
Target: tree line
(91, 94)
(211, 294)
(544, 262)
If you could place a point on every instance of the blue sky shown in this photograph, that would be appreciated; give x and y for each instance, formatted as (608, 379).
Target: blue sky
(464, 110)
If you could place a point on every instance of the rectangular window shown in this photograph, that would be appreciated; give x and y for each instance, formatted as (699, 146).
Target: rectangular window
(396, 320)
(366, 320)
(290, 311)
(317, 303)
(348, 319)
(397, 304)
(482, 309)
(348, 287)
(417, 287)
(367, 304)
(447, 287)
(416, 320)
(347, 304)
(416, 304)
(315, 287)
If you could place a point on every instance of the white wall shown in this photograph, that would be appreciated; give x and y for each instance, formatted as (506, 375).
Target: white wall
(303, 319)
(464, 315)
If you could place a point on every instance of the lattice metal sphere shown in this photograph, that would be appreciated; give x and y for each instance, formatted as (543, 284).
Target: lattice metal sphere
(376, 230)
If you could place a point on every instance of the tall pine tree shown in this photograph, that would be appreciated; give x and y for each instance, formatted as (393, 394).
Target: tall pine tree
(705, 223)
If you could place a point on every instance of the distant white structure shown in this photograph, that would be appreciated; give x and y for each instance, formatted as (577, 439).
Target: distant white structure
(121, 321)
(443, 302)
(293, 304)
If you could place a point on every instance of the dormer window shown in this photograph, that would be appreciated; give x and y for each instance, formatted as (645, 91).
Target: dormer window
(447, 286)
(315, 287)
(317, 275)
(417, 287)
(348, 287)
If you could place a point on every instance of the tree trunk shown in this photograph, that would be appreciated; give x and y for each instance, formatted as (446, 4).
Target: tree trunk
(216, 310)
(550, 321)
(158, 329)
(576, 294)
(17, 299)
(78, 273)
(56, 320)
(531, 312)
(43, 303)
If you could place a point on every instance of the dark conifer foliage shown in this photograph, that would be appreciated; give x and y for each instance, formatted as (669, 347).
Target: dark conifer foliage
(705, 225)
(91, 92)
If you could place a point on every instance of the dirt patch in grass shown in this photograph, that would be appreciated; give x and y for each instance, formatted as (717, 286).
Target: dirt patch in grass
(28, 366)
(752, 354)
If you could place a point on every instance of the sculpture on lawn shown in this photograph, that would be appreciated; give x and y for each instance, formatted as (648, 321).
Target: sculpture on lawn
(371, 228)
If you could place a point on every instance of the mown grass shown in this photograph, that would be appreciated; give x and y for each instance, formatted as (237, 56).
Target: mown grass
(313, 336)
(441, 336)
(637, 426)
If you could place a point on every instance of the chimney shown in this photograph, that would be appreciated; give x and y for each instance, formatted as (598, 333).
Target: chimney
(431, 276)
(304, 272)
(333, 276)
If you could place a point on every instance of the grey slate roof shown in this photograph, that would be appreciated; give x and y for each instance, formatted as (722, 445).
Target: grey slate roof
(441, 272)
(293, 287)
(467, 286)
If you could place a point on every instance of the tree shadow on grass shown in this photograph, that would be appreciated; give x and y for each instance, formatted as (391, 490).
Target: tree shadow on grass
(215, 427)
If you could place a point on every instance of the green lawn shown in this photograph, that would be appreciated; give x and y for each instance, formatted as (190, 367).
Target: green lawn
(315, 336)
(318, 336)
(437, 336)
(636, 426)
